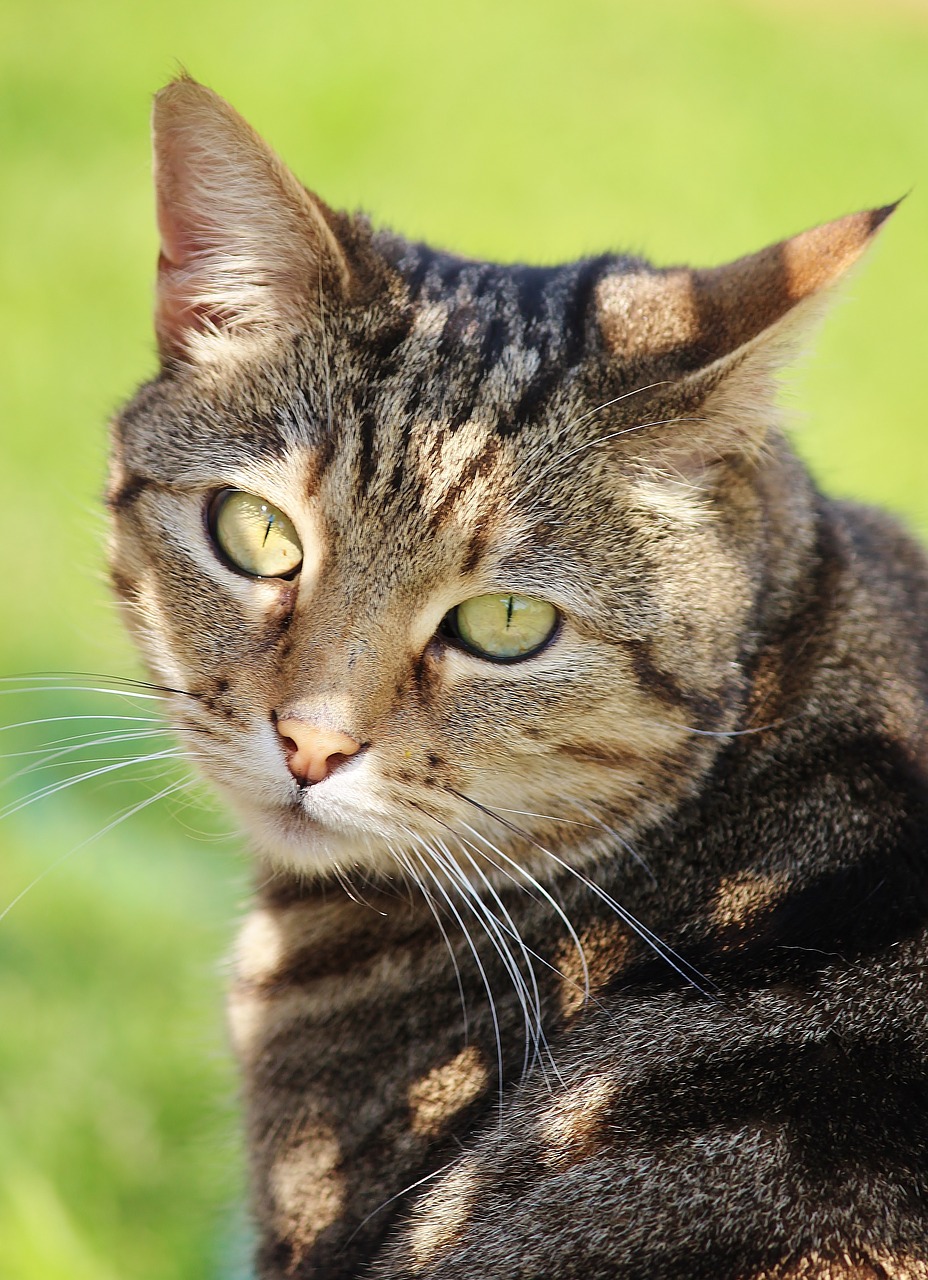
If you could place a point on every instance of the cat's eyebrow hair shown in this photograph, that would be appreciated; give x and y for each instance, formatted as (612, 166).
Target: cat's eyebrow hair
(131, 487)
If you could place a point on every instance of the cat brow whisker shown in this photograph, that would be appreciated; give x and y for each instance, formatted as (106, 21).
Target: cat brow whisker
(532, 454)
(592, 444)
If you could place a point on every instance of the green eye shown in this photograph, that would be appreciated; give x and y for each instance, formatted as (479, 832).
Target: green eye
(503, 628)
(254, 535)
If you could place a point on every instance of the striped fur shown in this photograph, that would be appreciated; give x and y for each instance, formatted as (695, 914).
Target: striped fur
(608, 962)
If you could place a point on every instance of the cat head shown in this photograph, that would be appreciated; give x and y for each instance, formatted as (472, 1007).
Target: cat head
(444, 559)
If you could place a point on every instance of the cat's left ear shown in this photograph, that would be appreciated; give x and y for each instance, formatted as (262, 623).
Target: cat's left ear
(246, 250)
(712, 337)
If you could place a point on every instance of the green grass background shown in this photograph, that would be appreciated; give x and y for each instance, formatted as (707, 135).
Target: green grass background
(534, 129)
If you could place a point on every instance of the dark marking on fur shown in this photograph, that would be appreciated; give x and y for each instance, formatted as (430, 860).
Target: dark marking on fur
(477, 466)
(386, 342)
(125, 587)
(608, 754)
(661, 683)
(367, 456)
(131, 488)
(578, 326)
(820, 1094)
(475, 551)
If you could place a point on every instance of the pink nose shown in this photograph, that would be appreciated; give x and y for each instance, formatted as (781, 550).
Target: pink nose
(313, 752)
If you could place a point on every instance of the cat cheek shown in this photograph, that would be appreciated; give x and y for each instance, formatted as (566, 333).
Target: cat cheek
(276, 621)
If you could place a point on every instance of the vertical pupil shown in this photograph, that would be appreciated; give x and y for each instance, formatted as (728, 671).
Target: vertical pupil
(509, 607)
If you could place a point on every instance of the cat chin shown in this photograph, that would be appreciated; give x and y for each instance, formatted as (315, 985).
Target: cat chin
(289, 839)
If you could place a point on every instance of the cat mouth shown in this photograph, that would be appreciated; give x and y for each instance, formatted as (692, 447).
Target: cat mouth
(305, 827)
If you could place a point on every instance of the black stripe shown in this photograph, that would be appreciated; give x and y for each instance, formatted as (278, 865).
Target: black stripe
(529, 408)
(845, 1104)
(367, 450)
(477, 466)
(383, 345)
(869, 805)
(578, 309)
(704, 708)
(127, 493)
(532, 284)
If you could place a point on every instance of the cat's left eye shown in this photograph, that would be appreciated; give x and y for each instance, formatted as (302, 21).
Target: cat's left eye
(254, 535)
(502, 628)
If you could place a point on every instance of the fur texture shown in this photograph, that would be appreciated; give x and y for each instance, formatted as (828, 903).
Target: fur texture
(606, 962)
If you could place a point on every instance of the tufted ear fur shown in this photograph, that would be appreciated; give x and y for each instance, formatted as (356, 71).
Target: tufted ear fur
(245, 249)
(712, 338)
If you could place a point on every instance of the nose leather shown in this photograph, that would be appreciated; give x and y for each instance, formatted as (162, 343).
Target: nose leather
(314, 752)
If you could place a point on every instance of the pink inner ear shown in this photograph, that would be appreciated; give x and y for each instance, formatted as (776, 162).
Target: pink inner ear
(187, 243)
(177, 243)
(241, 239)
(175, 316)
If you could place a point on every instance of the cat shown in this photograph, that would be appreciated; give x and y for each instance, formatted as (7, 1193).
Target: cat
(583, 744)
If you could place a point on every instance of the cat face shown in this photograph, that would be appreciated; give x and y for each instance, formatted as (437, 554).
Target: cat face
(440, 560)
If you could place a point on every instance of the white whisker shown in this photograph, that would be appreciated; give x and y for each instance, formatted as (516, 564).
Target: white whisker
(538, 1034)
(686, 971)
(611, 831)
(81, 688)
(49, 759)
(392, 1199)
(176, 786)
(592, 444)
(29, 724)
(528, 459)
(474, 952)
(536, 884)
(423, 889)
(172, 753)
(491, 928)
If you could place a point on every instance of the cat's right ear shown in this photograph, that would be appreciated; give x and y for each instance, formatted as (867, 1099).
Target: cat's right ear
(246, 250)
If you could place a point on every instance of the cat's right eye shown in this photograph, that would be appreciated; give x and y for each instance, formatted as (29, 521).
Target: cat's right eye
(253, 535)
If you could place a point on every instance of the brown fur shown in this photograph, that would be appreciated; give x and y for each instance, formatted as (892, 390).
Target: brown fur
(607, 962)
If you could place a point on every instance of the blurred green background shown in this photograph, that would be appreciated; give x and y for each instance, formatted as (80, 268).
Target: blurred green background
(533, 129)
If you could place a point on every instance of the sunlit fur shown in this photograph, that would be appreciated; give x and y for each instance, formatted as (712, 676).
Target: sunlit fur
(541, 870)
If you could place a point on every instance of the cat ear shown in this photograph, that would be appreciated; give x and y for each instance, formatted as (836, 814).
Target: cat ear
(245, 249)
(712, 338)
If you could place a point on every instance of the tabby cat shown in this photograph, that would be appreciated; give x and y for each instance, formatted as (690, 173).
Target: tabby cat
(581, 741)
